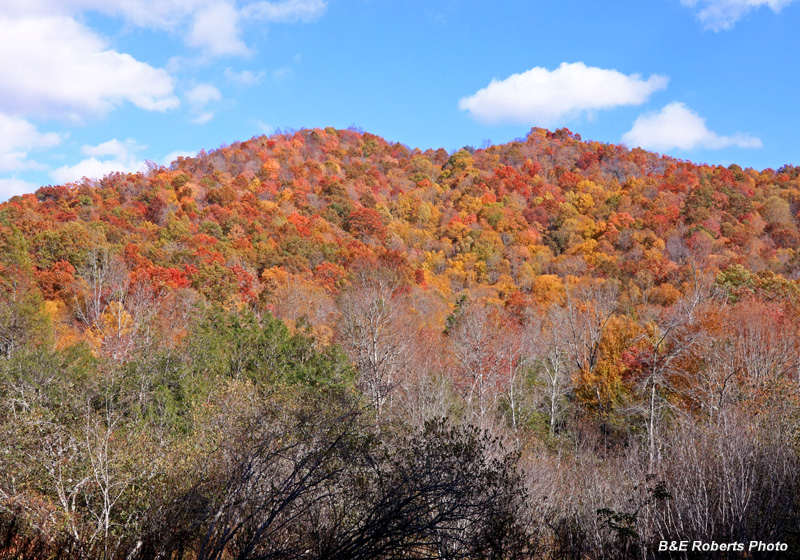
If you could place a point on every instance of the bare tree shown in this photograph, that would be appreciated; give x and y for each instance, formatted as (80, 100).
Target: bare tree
(730, 479)
(670, 335)
(427, 391)
(512, 349)
(764, 344)
(375, 332)
(547, 353)
(480, 359)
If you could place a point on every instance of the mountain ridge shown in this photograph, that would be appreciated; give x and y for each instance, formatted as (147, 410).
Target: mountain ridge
(313, 202)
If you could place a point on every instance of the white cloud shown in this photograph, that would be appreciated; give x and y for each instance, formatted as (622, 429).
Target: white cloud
(59, 68)
(122, 157)
(198, 16)
(215, 31)
(243, 78)
(677, 126)
(122, 151)
(91, 168)
(202, 118)
(200, 96)
(543, 97)
(213, 25)
(144, 13)
(17, 138)
(287, 11)
(203, 94)
(12, 187)
(164, 14)
(723, 14)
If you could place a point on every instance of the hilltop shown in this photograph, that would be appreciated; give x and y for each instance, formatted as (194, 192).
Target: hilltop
(509, 222)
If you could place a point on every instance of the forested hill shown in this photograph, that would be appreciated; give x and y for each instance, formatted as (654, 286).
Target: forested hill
(319, 344)
(510, 223)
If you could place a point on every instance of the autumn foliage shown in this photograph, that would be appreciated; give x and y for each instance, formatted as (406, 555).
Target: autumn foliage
(595, 308)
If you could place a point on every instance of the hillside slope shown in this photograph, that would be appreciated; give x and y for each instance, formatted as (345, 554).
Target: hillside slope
(511, 219)
(291, 346)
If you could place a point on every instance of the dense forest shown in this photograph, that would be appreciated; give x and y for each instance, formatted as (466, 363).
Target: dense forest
(319, 344)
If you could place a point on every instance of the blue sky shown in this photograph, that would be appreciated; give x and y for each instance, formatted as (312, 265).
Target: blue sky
(92, 86)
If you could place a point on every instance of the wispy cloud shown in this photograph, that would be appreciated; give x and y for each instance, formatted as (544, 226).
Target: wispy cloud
(17, 138)
(243, 78)
(216, 31)
(105, 158)
(202, 118)
(677, 126)
(723, 14)
(287, 11)
(199, 97)
(203, 94)
(547, 97)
